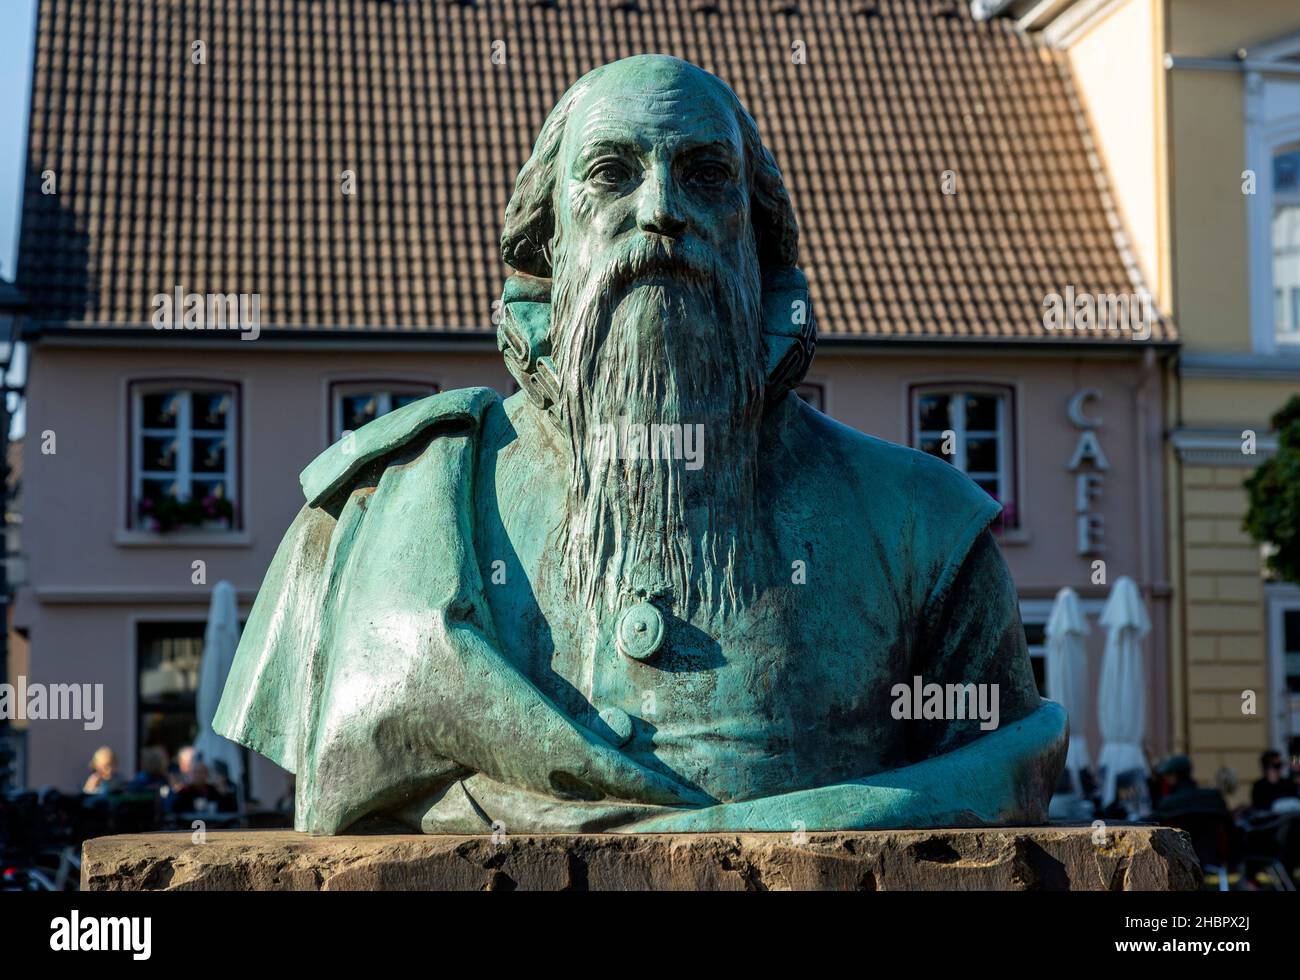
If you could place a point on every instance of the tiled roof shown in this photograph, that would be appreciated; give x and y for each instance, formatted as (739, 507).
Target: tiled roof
(225, 176)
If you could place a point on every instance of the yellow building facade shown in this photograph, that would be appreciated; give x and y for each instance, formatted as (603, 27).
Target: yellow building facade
(1195, 111)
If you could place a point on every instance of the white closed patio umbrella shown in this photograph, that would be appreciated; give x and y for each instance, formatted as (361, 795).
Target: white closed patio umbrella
(1067, 675)
(219, 643)
(1121, 695)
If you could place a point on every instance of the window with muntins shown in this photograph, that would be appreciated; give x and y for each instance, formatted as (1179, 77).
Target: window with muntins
(184, 458)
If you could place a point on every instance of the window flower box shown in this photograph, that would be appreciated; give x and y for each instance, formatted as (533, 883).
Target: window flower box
(167, 513)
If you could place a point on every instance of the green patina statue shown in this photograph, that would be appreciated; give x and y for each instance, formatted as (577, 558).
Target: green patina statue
(654, 590)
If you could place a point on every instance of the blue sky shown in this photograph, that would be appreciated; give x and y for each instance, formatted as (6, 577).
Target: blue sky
(17, 25)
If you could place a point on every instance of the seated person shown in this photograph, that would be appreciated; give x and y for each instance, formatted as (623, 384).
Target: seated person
(1182, 794)
(184, 768)
(1275, 783)
(104, 777)
(200, 794)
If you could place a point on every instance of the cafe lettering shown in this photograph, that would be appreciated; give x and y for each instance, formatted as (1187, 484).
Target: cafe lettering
(1089, 466)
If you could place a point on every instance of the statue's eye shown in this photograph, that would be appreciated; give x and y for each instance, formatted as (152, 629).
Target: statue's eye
(709, 174)
(610, 173)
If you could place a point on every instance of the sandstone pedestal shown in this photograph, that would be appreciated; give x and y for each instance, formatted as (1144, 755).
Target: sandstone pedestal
(1008, 859)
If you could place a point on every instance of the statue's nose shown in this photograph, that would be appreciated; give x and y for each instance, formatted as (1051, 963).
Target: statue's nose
(658, 211)
(664, 223)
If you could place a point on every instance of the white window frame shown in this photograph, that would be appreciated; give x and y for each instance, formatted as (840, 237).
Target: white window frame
(1004, 434)
(383, 389)
(1280, 598)
(1272, 125)
(184, 433)
(1290, 300)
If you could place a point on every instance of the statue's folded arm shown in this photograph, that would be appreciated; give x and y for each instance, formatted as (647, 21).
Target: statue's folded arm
(1002, 779)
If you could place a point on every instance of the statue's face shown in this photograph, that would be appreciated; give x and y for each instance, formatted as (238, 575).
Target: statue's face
(653, 148)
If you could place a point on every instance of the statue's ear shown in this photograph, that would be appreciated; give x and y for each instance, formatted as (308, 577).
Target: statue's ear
(524, 328)
(789, 330)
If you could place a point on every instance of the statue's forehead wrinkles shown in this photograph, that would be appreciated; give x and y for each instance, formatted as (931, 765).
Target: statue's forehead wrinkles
(644, 120)
(601, 139)
(664, 100)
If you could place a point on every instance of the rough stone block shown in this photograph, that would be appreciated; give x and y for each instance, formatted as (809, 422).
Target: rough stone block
(1054, 858)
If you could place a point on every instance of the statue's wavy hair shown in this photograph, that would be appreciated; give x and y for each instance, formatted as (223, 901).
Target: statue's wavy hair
(530, 216)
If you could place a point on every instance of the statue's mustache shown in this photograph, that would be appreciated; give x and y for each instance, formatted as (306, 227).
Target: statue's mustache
(651, 256)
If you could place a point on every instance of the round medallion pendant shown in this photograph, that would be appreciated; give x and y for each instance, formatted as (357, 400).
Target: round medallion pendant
(640, 631)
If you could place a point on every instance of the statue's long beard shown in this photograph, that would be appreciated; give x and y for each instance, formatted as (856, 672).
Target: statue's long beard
(682, 347)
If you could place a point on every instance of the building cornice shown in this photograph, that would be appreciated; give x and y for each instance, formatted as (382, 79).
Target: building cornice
(1220, 447)
(1283, 366)
(98, 595)
(138, 336)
